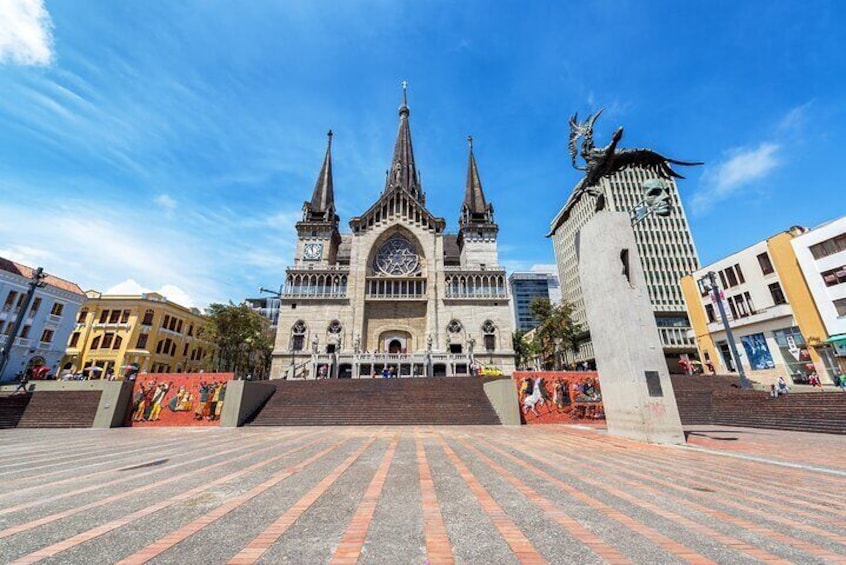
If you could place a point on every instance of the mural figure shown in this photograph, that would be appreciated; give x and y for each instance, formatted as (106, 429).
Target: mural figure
(534, 397)
(156, 403)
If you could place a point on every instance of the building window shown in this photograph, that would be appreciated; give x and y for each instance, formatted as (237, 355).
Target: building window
(185, 350)
(118, 342)
(709, 311)
(298, 336)
(36, 304)
(166, 321)
(777, 294)
(124, 317)
(766, 264)
(10, 300)
(25, 332)
(142, 341)
(57, 309)
(829, 247)
(840, 305)
(107, 339)
(114, 316)
(74, 340)
(47, 336)
(732, 278)
(95, 343)
(104, 316)
(723, 279)
(740, 276)
(148, 318)
(190, 330)
(80, 319)
(834, 277)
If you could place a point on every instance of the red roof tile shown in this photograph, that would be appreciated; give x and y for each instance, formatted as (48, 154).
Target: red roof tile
(27, 272)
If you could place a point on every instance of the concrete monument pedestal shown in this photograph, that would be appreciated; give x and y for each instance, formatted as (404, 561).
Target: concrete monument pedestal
(636, 388)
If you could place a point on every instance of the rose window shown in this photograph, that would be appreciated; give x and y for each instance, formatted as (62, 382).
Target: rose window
(397, 257)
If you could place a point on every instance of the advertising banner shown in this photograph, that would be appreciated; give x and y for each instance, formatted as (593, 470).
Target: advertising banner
(178, 399)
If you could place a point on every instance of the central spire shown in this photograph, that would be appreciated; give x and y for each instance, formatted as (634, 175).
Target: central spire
(403, 171)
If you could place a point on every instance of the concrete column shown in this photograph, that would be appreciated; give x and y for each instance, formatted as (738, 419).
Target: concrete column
(636, 389)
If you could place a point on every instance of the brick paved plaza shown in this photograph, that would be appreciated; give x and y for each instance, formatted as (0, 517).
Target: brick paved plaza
(415, 495)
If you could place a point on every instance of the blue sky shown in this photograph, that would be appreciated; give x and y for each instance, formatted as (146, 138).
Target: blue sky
(173, 143)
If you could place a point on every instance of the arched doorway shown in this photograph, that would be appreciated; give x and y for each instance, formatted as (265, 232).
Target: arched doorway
(35, 367)
(395, 346)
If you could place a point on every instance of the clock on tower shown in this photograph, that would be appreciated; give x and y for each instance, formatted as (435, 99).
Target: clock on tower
(313, 251)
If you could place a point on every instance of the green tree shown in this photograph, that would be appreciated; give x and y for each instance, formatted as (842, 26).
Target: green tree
(242, 336)
(556, 331)
(525, 350)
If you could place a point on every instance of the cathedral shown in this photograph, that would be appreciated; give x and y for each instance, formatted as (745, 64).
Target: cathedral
(396, 292)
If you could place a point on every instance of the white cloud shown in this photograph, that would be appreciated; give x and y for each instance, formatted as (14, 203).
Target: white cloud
(730, 177)
(26, 36)
(166, 203)
(170, 291)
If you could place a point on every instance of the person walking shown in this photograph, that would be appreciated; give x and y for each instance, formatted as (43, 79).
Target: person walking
(841, 381)
(24, 380)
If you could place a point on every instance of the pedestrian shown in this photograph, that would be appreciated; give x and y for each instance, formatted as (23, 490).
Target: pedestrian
(782, 386)
(841, 381)
(814, 380)
(24, 380)
(710, 365)
(386, 372)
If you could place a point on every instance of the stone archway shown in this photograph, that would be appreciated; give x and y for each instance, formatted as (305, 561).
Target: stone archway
(395, 341)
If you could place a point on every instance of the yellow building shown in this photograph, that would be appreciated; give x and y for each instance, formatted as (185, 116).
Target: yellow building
(777, 328)
(146, 331)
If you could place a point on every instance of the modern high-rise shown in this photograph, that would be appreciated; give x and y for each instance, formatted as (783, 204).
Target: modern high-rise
(666, 249)
(526, 287)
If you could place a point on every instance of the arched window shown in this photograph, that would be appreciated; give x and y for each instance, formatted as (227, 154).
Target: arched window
(298, 332)
(489, 333)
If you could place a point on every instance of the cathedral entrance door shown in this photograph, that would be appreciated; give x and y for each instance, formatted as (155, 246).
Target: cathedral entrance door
(395, 346)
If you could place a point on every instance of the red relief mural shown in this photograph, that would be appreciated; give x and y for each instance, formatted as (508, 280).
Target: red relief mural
(178, 399)
(559, 397)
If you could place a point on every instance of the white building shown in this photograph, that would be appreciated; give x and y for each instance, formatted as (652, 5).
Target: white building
(397, 291)
(44, 332)
(774, 321)
(822, 257)
(666, 249)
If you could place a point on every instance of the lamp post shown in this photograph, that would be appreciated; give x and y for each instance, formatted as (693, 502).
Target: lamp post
(558, 342)
(714, 291)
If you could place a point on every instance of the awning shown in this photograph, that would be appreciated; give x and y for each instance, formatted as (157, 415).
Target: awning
(839, 339)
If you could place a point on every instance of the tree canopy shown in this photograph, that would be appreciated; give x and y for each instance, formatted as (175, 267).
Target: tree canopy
(243, 338)
(556, 331)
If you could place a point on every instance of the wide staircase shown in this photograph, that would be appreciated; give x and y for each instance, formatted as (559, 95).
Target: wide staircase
(719, 400)
(12, 408)
(372, 402)
(60, 409)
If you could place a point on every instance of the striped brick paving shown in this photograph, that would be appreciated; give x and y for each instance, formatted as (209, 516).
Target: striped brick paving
(427, 495)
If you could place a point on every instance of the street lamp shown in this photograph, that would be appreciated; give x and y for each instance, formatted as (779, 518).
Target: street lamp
(558, 342)
(714, 291)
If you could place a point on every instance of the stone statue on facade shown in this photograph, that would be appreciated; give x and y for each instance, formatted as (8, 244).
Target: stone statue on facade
(605, 161)
(429, 342)
(314, 343)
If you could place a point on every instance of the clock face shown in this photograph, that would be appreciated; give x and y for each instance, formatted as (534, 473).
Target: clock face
(312, 251)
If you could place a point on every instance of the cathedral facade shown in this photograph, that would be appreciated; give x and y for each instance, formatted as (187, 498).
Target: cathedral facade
(395, 292)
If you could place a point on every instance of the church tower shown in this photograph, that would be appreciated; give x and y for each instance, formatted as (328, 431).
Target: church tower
(318, 235)
(477, 230)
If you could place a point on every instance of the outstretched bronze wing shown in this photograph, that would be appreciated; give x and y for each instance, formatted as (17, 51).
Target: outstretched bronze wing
(647, 159)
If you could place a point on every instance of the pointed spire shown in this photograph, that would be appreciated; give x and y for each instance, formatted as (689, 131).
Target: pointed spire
(474, 198)
(323, 197)
(403, 171)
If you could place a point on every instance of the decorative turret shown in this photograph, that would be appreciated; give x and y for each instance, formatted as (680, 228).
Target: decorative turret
(321, 208)
(475, 209)
(403, 172)
(477, 230)
(318, 230)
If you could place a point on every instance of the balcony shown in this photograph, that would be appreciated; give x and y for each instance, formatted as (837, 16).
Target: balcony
(395, 288)
(475, 284)
(318, 283)
(771, 313)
